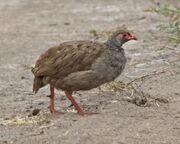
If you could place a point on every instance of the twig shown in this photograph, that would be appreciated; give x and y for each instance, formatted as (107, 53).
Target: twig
(145, 76)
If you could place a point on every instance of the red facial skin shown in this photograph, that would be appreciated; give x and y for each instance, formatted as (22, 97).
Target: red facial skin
(127, 35)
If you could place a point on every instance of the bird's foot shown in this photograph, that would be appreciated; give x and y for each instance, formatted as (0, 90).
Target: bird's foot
(75, 104)
(86, 113)
(54, 112)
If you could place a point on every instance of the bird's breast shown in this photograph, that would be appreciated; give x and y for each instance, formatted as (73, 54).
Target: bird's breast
(110, 65)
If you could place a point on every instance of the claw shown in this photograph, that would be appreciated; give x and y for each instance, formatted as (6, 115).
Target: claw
(54, 112)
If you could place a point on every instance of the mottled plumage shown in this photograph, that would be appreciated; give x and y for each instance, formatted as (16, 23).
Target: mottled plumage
(81, 65)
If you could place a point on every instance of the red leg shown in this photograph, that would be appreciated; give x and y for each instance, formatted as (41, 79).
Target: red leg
(75, 104)
(51, 105)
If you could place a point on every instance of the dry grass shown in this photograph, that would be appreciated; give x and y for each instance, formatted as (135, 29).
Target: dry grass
(135, 92)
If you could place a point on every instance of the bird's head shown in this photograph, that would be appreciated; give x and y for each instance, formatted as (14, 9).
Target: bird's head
(118, 38)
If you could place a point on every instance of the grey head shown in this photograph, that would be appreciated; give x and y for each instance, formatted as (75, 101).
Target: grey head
(118, 38)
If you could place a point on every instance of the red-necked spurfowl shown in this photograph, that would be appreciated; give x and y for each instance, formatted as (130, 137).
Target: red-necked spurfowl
(80, 65)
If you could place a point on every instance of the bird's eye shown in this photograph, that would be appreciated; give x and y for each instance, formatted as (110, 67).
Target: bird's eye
(124, 35)
(128, 33)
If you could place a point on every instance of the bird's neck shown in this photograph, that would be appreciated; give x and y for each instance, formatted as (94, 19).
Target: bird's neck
(112, 44)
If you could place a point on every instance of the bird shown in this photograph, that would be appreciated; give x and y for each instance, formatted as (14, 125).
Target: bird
(80, 66)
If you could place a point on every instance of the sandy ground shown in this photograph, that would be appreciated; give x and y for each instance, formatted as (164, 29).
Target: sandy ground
(29, 27)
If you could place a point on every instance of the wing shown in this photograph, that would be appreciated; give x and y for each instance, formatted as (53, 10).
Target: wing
(68, 57)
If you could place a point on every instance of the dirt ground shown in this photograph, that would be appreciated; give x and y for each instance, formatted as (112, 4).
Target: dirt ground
(29, 27)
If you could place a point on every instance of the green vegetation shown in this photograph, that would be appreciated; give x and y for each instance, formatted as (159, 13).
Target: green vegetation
(173, 27)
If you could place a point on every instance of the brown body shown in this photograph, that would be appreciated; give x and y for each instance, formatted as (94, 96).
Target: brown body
(78, 65)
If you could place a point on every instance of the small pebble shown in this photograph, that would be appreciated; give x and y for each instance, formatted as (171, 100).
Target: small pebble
(22, 77)
(66, 23)
(6, 118)
(35, 112)
(27, 110)
(70, 105)
(40, 103)
(42, 132)
(48, 96)
(31, 106)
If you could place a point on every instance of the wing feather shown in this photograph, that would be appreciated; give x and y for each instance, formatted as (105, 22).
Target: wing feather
(68, 57)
